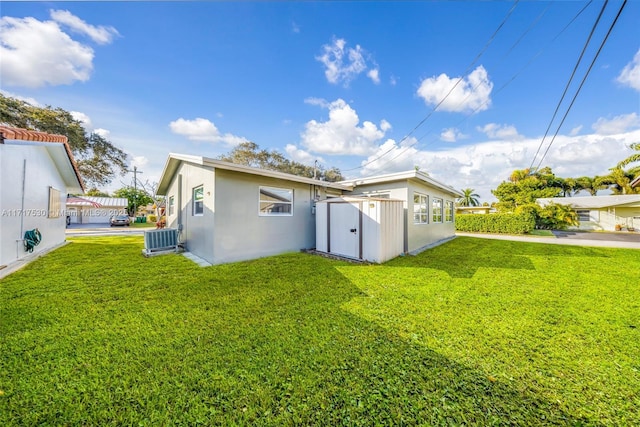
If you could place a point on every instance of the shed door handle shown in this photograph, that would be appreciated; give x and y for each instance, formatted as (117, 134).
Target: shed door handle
(354, 230)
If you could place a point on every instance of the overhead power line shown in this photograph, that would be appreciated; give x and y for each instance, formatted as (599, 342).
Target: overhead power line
(604, 41)
(566, 88)
(466, 71)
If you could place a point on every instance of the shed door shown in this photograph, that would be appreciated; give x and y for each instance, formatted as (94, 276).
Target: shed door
(344, 232)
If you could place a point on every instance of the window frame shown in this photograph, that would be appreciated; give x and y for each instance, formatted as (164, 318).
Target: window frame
(270, 213)
(194, 202)
(448, 211)
(171, 205)
(581, 212)
(420, 203)
(436, 211)
(55, 205)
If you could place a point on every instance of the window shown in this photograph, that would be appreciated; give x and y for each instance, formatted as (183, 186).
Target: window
(54, 203)
(437, 210)
(171, 205)
(198, 200)
(448, 211)
(420, 209)
(584, 215)
(276, 201)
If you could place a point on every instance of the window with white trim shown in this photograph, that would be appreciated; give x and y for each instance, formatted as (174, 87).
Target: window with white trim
(448, 211)
(420, 208)
(275, 201)
(54, 203)
(171, 205)
(584, 215)
(437, 210)
(198, 201)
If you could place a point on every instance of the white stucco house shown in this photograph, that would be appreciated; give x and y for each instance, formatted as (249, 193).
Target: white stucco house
(227, 212)
(602, 212)
(95, 210)
(37, 170)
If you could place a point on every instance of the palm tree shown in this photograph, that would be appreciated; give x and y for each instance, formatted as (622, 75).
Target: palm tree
(469, 198)
(635, 157)
(590, 184)
(519, 174)
(619, 180)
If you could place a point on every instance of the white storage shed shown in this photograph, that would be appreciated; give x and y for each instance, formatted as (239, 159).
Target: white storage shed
(364, 228)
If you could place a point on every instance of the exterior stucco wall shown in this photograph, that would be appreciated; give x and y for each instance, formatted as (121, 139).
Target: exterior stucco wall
(421, 235)
(197, 230)
(242, 234)
(416, 236)
(41, 173)
(607, 218)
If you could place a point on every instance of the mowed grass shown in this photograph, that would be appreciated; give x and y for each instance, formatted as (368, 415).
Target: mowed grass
(473, 332)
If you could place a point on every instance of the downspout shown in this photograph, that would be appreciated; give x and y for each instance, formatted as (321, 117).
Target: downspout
(24, 178)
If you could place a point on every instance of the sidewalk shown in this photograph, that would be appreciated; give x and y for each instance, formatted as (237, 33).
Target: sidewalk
(552, 240)
(102, 230)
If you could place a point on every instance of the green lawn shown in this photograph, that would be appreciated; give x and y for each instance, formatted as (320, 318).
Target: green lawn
(476, 332)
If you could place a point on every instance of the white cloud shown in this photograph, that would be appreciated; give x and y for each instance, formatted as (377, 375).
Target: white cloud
(295, 28)
(393, 81)
(301, 156)
(342, 64)
(38, 53)
(618, 124)
(630, 74)
(99, 34)
(317, 102)
(342, 133)
(503, 132)
(102, 132)
(451, 135)
(576, 130)
(203, 130)
(374, 75)
(82, 118)
(483, 166)
(471, 94)
(139, 161)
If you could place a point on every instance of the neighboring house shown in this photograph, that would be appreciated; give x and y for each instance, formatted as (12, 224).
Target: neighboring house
(94, 210)
(227, 212)
(37, 170)
(473, 209)
(429, 205)
(602, 212)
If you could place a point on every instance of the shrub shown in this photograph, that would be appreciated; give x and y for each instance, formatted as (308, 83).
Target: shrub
(152, 218)
(506, 223)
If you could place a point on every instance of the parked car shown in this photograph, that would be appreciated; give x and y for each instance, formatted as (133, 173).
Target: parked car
(120, 220)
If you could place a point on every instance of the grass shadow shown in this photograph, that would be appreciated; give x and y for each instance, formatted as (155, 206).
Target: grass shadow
(263, 342)
(463, 256)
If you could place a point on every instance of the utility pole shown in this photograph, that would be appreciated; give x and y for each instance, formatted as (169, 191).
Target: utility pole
(135, 190)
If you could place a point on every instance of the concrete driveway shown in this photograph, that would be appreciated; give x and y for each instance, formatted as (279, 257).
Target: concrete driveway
(622, 236)
(576, 238)
(102, 230)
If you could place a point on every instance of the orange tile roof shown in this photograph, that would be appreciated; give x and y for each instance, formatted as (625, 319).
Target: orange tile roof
(20, 134)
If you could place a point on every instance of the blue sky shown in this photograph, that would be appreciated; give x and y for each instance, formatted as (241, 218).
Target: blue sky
(344, 83)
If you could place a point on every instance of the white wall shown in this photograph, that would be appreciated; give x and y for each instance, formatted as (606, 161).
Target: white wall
(40, 174)
(197, 230)
(416, 236)
(240, 233)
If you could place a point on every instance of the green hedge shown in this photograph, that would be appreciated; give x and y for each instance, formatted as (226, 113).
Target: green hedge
(505, 223)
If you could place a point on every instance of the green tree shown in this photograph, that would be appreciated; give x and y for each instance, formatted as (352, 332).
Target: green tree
(555, 216)
(590, 184)
(250, 154)
(96, 193)
(137, 197)
(633, 158)
(99, 161)
(619, 180)
(527, 189)
(469, 198)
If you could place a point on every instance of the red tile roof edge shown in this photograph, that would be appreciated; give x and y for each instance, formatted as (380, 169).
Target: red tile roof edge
(37, 136)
